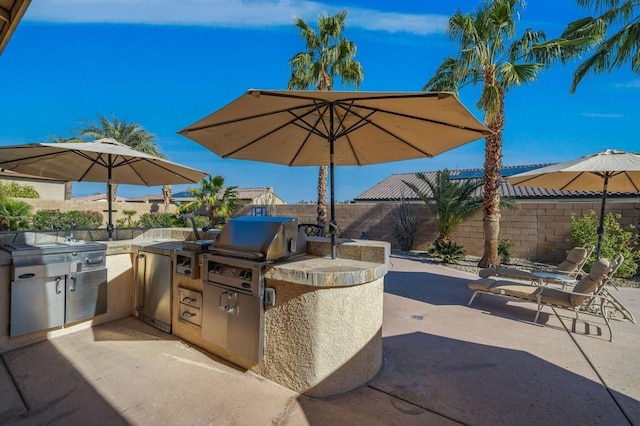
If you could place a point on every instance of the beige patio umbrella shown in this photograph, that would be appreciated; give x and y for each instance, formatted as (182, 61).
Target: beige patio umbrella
(103, 160)
(313, 128)
(609, 170)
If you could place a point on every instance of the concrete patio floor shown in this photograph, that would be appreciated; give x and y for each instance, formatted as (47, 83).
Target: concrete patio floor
(443, 363)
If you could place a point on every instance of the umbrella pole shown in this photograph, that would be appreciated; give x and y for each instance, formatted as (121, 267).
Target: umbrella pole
(109, 202)
(601, 225)
(333, 226)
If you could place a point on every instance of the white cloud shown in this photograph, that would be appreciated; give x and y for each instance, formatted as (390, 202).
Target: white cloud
(600, 115)
(633, 84)
(224, 13)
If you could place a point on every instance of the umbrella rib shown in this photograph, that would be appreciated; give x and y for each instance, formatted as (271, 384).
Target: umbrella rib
(293, 121)
(415, 117)
(365, 120)
(306, 139)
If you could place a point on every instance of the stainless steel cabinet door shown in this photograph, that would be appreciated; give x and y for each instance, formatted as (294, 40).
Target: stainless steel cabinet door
(214, 314)
(37, 305)
(86, 295)
(245, 326)
(234, 321)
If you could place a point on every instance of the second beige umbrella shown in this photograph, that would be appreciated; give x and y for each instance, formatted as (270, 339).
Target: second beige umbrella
(610, 170)
(313, 128)
(103, 160)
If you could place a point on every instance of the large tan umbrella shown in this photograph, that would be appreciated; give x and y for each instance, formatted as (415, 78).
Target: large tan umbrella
(609, 170)
(103, 160)
(305, 128)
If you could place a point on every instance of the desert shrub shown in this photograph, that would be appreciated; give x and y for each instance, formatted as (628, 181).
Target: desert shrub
(14, 215)
(446, 250)
(16, 190)
(55, 219)
(505, 250)
(161, 220)
(127, 221)
(405, 224)
(616, 239)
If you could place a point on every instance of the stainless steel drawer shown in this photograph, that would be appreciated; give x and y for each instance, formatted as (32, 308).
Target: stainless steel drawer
(190, 314)
(190, 297)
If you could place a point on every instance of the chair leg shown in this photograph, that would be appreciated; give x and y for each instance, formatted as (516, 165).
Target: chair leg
(539, 297)
(605, 316)
(473, 297)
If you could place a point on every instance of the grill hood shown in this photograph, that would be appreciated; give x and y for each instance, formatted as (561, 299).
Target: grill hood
(266, 238)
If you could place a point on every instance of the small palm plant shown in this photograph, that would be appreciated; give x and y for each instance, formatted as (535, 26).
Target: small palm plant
(220, 201)
(450, 202)
(14, 214)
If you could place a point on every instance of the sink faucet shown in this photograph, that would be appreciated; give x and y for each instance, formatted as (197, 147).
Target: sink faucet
(70, 236)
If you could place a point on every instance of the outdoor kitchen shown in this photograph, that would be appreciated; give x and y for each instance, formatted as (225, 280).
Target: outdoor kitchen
(259, 294)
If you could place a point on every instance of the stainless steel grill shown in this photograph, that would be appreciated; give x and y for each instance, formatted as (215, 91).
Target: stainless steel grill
(234, 295)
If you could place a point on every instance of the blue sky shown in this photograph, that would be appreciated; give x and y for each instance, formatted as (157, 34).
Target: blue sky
(165, 64)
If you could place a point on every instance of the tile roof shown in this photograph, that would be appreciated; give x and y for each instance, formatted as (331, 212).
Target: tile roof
(98, 197)
(242, 193)
(393, 188)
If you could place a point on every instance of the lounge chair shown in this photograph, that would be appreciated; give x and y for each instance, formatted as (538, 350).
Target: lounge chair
(584, 291)
(566, 272)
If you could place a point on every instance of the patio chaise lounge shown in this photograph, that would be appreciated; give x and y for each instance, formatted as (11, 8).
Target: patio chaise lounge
(585, 290)
(566, 272)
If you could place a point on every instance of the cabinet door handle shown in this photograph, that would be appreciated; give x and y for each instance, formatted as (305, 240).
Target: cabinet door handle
(233, 296)
(221, 305)
(72, 284)
(58, 289)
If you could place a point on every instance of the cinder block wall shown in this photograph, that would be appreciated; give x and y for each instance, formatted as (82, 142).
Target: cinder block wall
(539, 231)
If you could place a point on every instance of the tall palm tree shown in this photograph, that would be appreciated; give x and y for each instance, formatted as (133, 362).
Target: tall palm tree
(131, 134)
(621, 47)
(449, 201)
(328, 55)
(215, 197)
(491, 55)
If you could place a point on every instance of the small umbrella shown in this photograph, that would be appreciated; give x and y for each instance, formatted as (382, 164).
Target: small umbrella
(609, 170)
(305, 128)
(103, 160)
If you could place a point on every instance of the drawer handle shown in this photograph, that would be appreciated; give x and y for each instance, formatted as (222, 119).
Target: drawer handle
(23, 276)
(188, 314)
(188, 300)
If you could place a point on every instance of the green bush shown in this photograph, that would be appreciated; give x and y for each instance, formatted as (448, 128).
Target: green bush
(160, 220)
(16, 190)
(74, 219)
(446, 250)
(505, 250)
(616, 239)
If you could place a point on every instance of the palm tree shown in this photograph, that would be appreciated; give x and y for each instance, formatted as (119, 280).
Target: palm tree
(215, 197)
(131, 134)
(491, 55)
(328, 55)
(621, 47)
(14, 214)
(449, 201)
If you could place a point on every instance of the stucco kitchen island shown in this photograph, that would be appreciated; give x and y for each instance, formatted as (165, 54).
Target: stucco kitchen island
(322, 336)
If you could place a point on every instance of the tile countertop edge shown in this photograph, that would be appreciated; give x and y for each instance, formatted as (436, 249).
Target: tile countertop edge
(325, 272)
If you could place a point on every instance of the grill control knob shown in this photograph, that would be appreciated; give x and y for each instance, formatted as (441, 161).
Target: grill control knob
(217, 268)
(248, 274)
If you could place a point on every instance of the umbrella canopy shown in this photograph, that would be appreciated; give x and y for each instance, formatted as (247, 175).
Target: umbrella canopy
(103, 160)
(314, 128)
(609, 170)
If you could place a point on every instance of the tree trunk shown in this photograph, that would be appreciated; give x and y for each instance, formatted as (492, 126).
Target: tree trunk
(68, 190)
(212, 215)
(166, 196)
(491, 198)
(114, 191)
(322, 196)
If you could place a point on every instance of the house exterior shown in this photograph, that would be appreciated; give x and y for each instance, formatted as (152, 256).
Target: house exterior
(98, 197)
(393, 189)
(261, 196)
(47, 188)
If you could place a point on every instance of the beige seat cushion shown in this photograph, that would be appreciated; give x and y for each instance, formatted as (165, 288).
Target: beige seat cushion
(590, 283)
(506, 272)
(554, 296)
(575, 258)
